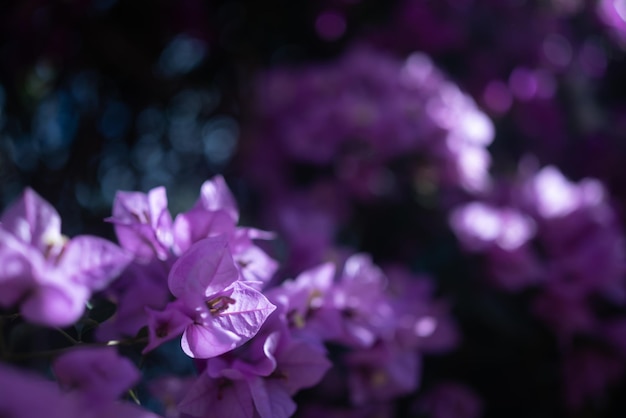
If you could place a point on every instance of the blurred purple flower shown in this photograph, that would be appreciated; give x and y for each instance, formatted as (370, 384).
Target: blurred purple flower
(143, 224)
(550, 195)
(613, 14)
(170, 391)
(26, 396)
(140, 287)
(556, 232)
(367, 109)
(304, 299)
(382, 372)
(351, 309)
(481, 227)
(99, 374)
(360, 297)
(503, 234)
(423, 323)
(50, 276)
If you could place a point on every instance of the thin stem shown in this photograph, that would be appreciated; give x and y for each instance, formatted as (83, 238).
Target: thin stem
(133, 396)
(131, 341)
(55, 352)
(68, 336)
(141, 362)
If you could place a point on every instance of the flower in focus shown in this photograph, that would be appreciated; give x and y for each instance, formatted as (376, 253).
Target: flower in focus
(223, 311)
(145, 228)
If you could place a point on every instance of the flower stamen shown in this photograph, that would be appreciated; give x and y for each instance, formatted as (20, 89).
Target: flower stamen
(219, 304)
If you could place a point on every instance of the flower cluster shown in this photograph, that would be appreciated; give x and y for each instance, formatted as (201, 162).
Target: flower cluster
(47, 275)
(201, 277)
(519, 60)
(442, 179)
(340, 127)
(561, 240)
(89, 384)
(171, 261)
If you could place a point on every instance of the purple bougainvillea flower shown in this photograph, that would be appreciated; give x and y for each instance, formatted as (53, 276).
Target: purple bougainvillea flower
(550, 195)
(304, 299)
(259, 378)
(369, 104)
(238, 395)
(49, 275)
(423, 323)
(166, 325)
(170, 390)
(504, 235)
(360, 296)
(382, 373)
(144, 227)
(139, 287)
(353, 309)
(480, 227)
(26, 395)
(295, 360)
(300, 364)
(100, 374)
(225, 311)
(143, 224)
(579, 233)
(613, 14)
(216, 213)
(226, 320)
(255, 265)
(221, 397)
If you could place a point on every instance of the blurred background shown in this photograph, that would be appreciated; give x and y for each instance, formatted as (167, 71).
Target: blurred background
(104, 95)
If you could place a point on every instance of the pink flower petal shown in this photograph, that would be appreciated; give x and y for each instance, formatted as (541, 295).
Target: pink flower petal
(32, 220)
(205, 269)
(55, 306)
(93, 262)
(201, 341)
(219, 398)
